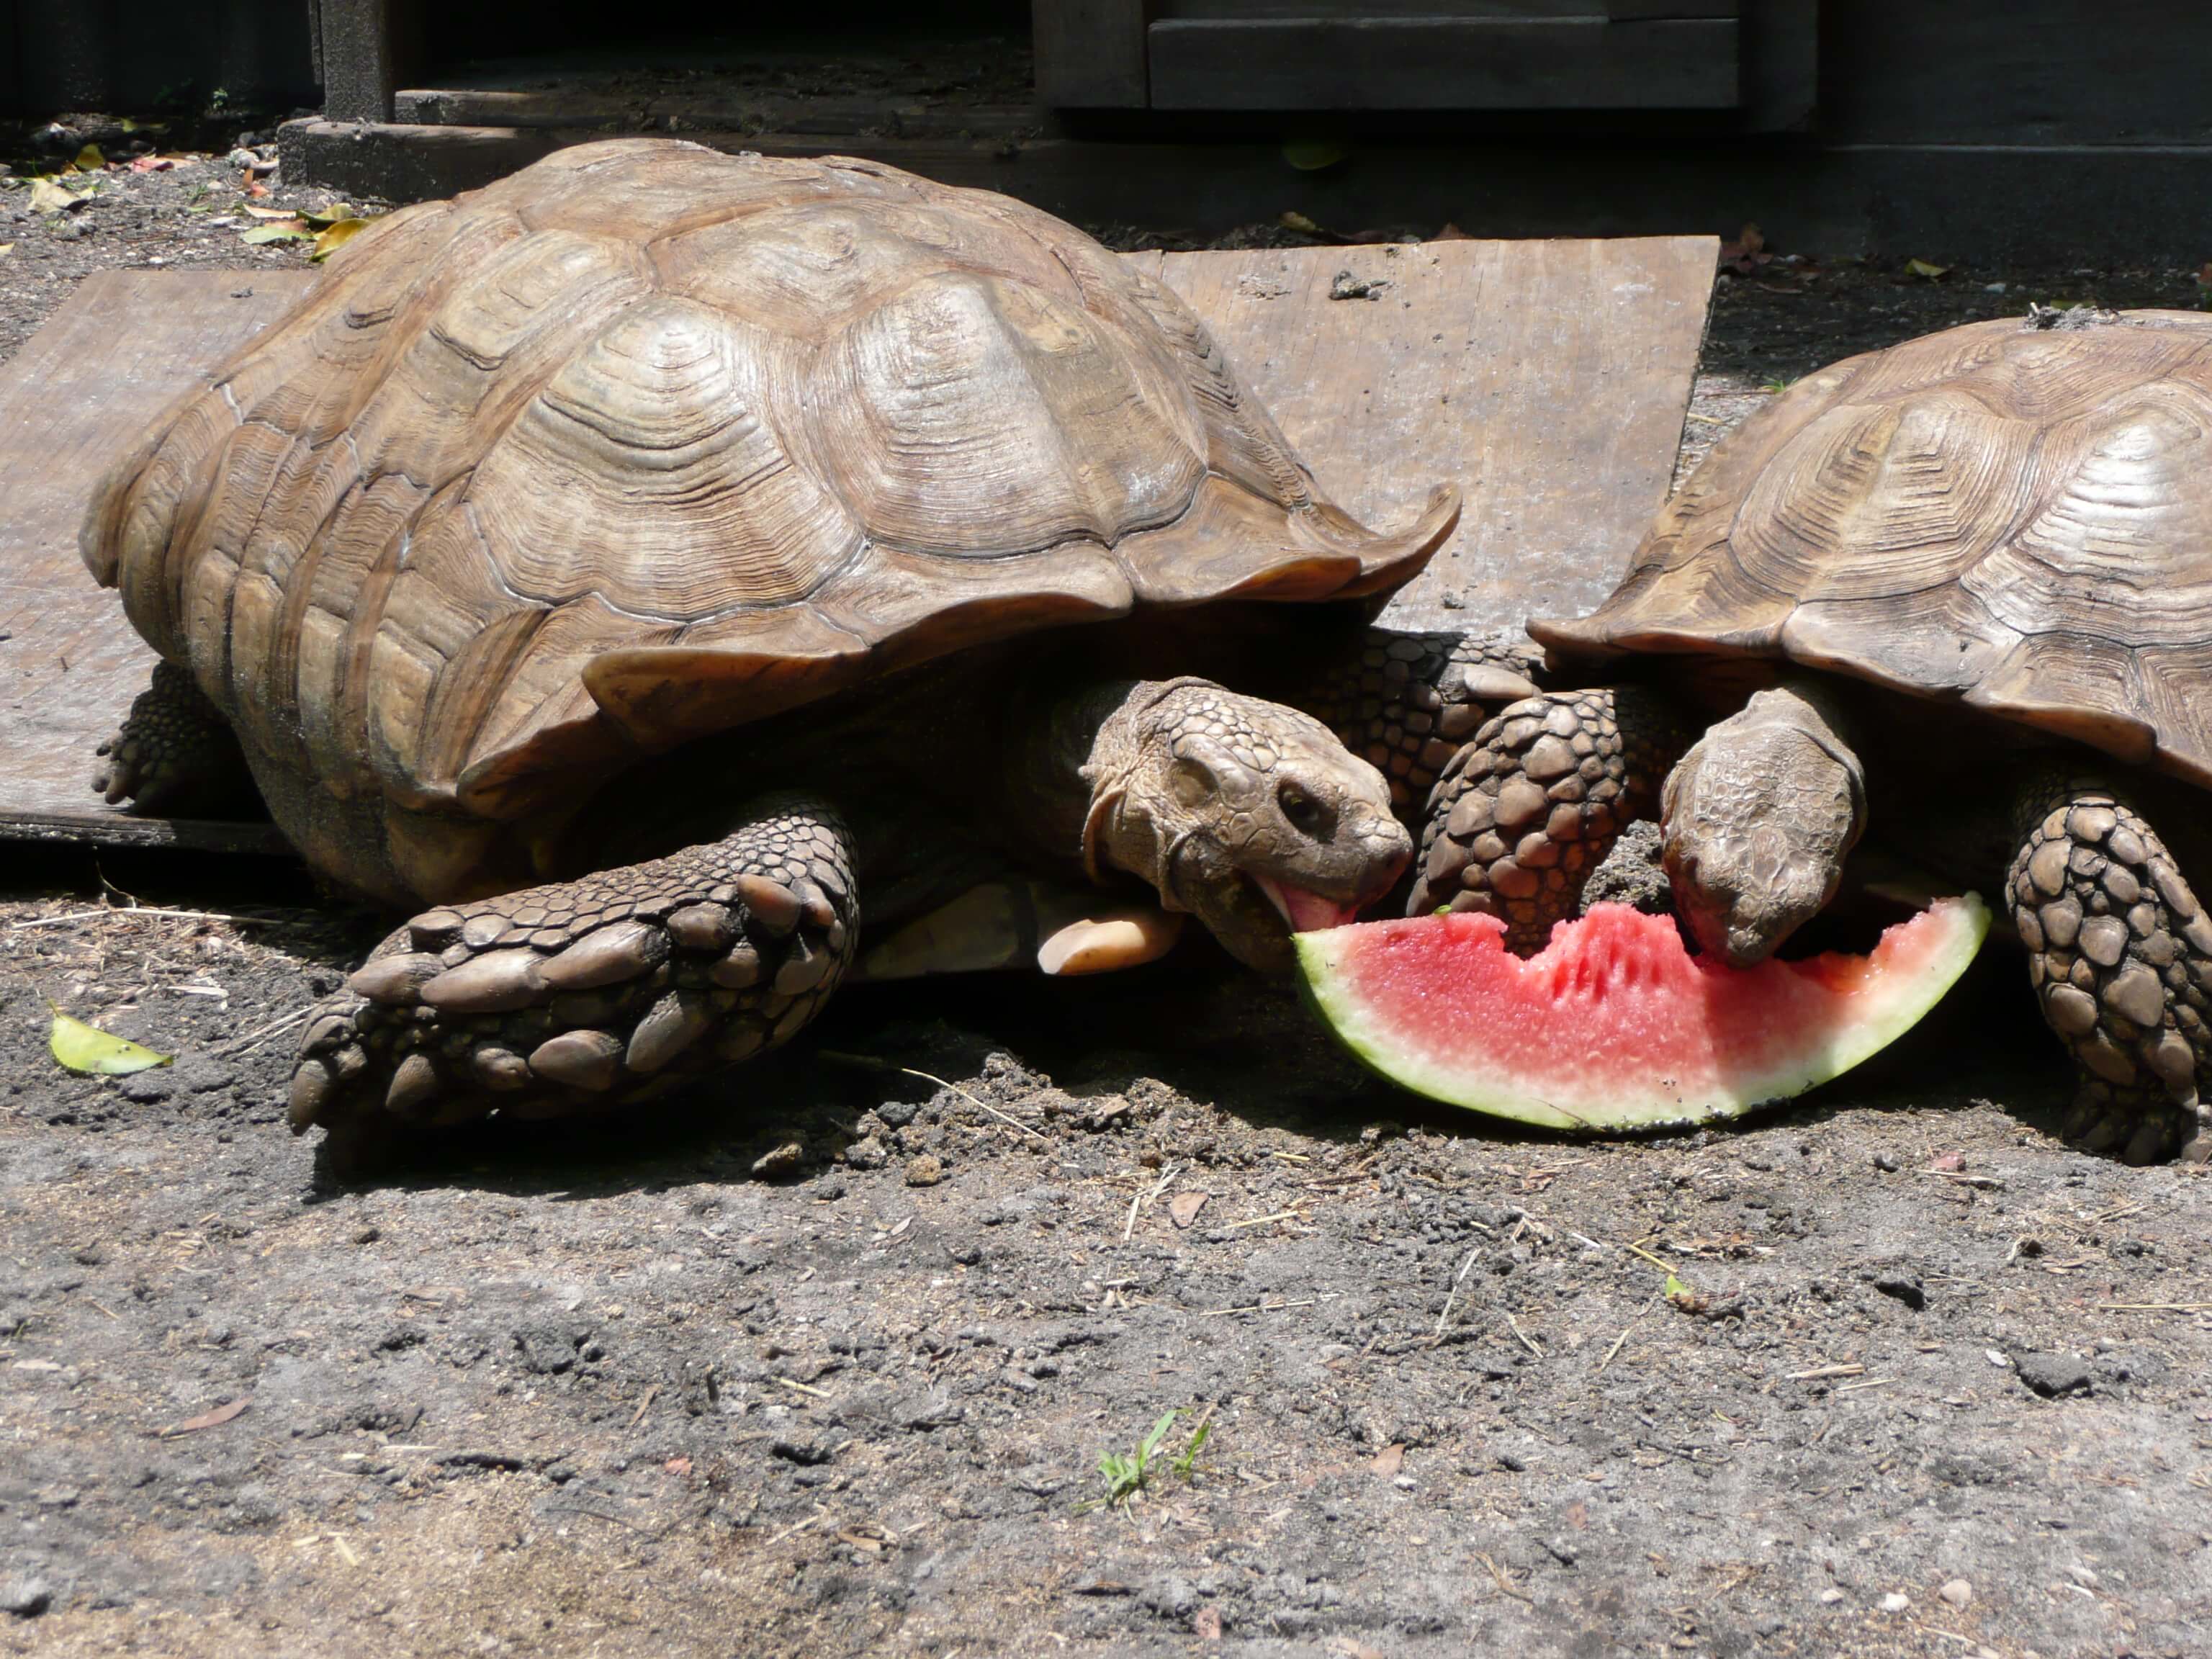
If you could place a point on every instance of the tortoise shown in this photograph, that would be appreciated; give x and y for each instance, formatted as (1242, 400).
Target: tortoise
(1958, 589)
(628, 567)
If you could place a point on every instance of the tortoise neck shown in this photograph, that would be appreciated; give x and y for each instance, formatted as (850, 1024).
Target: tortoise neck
(1067, 757)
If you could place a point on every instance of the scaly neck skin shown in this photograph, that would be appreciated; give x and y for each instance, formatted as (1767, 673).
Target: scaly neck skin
(1056, 749)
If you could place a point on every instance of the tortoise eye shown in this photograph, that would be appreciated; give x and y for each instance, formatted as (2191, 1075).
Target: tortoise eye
(1307, 815)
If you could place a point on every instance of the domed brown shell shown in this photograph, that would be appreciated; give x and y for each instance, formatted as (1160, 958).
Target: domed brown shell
(2014, 516)
(647, 441)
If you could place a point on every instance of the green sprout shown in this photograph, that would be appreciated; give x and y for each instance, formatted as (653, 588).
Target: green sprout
(1127, 1474)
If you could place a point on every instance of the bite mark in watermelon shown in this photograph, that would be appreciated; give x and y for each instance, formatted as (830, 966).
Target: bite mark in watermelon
(1613, 1025)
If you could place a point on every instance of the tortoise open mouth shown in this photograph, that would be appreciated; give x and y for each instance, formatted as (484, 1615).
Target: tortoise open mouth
(1304, 912)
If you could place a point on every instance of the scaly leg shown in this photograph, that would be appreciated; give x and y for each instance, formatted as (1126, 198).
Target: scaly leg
(1404, 702)
(589, 994)
(1527, 810)
(176, 755)
(2120, 954)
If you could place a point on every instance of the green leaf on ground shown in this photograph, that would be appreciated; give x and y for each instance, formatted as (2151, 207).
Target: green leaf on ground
(87, 1048)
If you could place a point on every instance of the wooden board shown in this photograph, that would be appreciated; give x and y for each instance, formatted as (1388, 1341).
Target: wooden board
(125, 344)
(1548, 379)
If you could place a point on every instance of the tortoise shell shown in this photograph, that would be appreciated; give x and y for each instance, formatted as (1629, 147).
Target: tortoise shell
(2016, 516)
(647, 441)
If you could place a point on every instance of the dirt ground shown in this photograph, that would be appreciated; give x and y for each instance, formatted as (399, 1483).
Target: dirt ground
(825, 1361)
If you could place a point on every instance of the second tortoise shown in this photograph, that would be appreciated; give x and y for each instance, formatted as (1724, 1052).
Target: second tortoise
(1958, 590)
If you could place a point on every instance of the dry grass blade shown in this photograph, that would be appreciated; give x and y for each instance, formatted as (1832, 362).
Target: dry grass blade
(1621, 1340)
(1503, 1582)
(1452, 1295)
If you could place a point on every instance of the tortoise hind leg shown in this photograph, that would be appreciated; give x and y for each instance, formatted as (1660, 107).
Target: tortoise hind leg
(176, 755)
(588, 994)
(2120, 955)
(1527, 811)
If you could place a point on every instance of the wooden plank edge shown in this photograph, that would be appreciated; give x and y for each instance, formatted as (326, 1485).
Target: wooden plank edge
(118, 829)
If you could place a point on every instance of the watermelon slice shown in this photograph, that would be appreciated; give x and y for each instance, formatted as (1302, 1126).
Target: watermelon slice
(1613, 1025)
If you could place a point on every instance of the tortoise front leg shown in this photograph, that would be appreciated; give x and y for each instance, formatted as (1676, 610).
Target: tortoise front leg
(1405, 702)
(2120, 955)
(587, 995)
(1527, 810)
(176, 755)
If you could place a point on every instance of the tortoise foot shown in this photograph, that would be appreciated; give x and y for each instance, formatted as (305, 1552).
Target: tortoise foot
(2120, 954)
(2138, 1125)
(587, 995)
(176, 755)
(1532, 806)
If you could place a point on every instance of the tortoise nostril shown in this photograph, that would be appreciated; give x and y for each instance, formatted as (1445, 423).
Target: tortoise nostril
(1307, 814)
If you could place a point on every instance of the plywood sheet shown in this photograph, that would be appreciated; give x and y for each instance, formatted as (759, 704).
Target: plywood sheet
(125, 344)
(1548, 379)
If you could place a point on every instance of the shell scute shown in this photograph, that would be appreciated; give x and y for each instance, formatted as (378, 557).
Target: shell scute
(2018, 517)
(647, 441)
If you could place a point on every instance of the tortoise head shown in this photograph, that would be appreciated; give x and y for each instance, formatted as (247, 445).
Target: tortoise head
(1757, 819)
(1250, 815)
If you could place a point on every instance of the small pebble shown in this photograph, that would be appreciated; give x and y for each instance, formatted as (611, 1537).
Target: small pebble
(865, 1154)
(2052, 1375)
(1895, 1601)
(1958, 1592)
(779, 1162)
(27, 1598)
(367, 1235)
(146, 1088)
(1831, 1595)
(924, 1172)
(1884, 1162)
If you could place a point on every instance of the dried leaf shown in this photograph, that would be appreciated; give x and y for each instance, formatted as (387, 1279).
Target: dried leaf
(6, 248)
(152, 163)
(1748, 253)
(262, 235)
(1183, 1207)
(89, 160)
(1206, 1624)
(335, 212)
(86, 1048)
(1295, 221)
(1922, 268)
(273, 213)
(210, 1419)
(50, 195)
(1390, 1461)
(1312, 155)
(1450, 232)
(334, 236)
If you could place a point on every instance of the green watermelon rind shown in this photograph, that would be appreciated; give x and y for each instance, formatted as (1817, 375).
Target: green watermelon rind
(1885, 1020)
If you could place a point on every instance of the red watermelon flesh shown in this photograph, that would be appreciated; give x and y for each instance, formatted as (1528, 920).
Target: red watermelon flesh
(1613, 1025)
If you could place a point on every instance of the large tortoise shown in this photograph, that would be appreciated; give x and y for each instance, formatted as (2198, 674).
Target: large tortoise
(638, 561)
(1995, 546)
